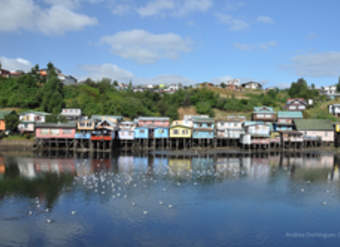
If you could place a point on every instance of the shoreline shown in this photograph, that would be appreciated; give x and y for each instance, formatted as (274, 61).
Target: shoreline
(16, 145)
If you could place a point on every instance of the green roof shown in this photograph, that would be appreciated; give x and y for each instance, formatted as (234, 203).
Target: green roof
(263, 109)
(313, 124)
(3, 114)
(289, 114)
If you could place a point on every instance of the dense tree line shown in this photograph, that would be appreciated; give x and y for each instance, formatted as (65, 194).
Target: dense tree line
(47, 93)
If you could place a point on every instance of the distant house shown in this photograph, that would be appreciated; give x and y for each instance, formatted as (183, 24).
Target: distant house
(328, 90)
(264, 113)
(251, 85)
(29, 119)
(5, 73)
(334, 109)
(71, 114)
(315, 129)
(296, 104)
(68, 80)
(55, 130)
(232, 84)
(230, 127)
(17, 73)
(285, 120)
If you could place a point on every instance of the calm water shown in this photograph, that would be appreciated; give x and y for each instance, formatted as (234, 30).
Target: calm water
(170, 201)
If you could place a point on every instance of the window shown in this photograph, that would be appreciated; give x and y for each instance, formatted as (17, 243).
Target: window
(175, 132)
(67, 131)
(44, 131)
(54, 131)
(142, 131)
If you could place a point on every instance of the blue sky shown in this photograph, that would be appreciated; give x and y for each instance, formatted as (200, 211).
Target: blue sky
(150, 41)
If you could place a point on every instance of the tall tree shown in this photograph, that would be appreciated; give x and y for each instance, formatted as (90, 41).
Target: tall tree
(12, 121)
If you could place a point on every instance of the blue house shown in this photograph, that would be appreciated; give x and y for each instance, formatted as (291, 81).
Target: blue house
(161, 133)
(203, 128)
(285, 120)
(141, 133)
(83, 135)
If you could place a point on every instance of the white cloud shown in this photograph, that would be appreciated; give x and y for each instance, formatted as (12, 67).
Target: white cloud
(121, 9)
(265, 19)
(13, 64)
(173, 7)
(59, 19)
(323, 64)
(155, 7)
(251, 47)
(145, 47)
(112, 71)
(56, 19)
(233, 23)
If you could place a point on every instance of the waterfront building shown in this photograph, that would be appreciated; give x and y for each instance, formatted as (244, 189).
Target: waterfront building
(29, 119)
(264, 113)
(315, 129)
(285, 120)
(55, 130)
(230, 127)
(203, 128)
(181, 129)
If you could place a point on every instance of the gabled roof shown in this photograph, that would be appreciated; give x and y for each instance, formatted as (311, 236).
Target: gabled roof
(313, 124)
(289, 114)
(111, 125)
(263, 109)
(299, 100)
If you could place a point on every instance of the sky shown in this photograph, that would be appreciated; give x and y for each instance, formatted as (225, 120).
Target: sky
(164, 41)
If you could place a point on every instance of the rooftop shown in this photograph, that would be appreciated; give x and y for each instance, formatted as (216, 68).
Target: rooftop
(313, 124)
(289, 114)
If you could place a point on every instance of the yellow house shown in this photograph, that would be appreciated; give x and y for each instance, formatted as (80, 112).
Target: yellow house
(180, 129)
(85, 125)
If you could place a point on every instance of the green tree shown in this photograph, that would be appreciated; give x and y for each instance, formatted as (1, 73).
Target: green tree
(12, 121)
(338, 86)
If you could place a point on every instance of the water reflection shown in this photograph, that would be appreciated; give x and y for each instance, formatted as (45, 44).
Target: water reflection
(224, 191)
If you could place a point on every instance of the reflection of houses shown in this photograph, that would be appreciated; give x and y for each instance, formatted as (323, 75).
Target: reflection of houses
(285, 120)
(29, 119)
(179, 167)
(263, 113)
(319, 129)
(228, 167)
(125, 164)
(296, 104)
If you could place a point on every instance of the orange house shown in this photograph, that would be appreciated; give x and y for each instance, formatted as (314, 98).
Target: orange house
(2, 120)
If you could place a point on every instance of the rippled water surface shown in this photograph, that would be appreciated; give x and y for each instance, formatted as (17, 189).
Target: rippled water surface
(229, 200)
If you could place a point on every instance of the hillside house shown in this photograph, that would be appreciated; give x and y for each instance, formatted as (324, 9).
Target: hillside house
(71, 114)
(316, 129)
(334, 109)
(285, 120)
(29, 119)
(5, 73)
(296, 104)
(328, 90)
(264, 113)
(251, 85)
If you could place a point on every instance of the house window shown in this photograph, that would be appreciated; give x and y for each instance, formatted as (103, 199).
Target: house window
(67, 132)
(142, 131)
(175, 132)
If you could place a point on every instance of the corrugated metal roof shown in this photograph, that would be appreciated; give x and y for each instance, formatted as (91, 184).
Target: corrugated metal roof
(313, 124)
(289, 114)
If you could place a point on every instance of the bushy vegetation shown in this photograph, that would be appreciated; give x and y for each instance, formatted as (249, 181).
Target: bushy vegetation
(47, 93)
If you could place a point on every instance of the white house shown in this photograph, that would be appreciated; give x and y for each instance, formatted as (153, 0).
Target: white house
(29, 119)
(252, 85)
(334, 109)
(328, 90)
(71, 113)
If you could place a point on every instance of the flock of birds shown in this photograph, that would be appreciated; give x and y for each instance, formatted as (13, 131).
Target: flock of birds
(118, 185)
